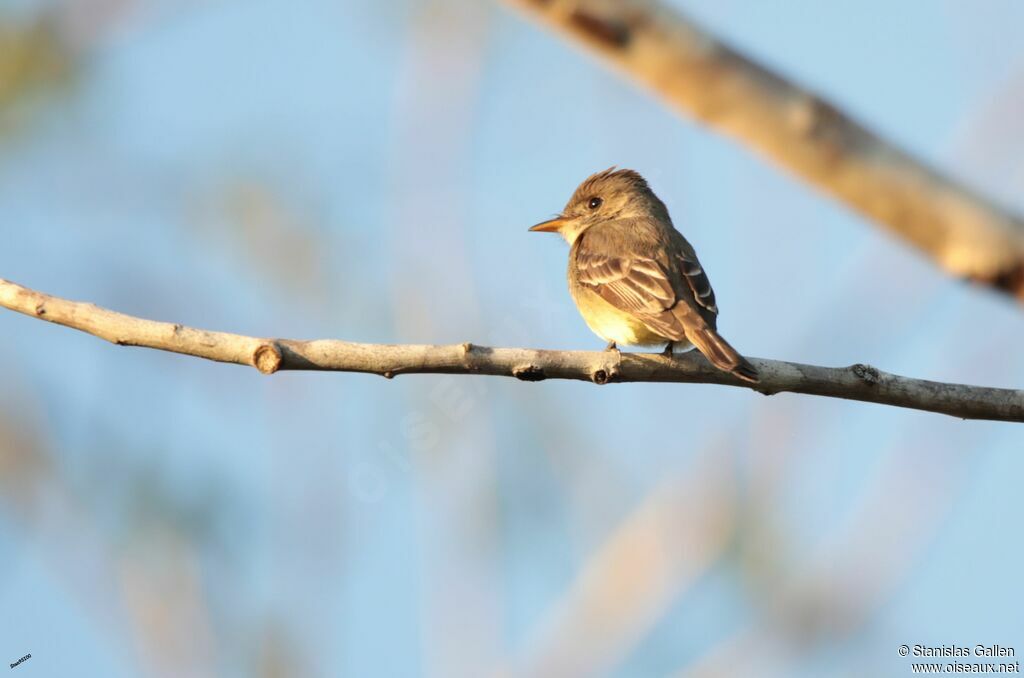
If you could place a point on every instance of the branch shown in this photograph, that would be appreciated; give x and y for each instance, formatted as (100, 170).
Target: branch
(701, 76)
(857, 382)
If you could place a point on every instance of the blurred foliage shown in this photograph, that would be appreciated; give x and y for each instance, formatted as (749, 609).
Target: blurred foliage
(35, 60)
(24, 463)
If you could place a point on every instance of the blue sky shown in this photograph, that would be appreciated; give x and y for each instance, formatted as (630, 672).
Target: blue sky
(367, 171)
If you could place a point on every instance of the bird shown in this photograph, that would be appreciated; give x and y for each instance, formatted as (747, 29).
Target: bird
(634, 278)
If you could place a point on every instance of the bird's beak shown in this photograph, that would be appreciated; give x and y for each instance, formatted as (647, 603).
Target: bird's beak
(550, 226)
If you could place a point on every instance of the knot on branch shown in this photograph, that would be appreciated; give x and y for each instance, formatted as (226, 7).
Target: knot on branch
(603, 376)
(528, 373)
(866, 373)
(821, 124)
(1009, 280)
(267, 358)
(602, 30)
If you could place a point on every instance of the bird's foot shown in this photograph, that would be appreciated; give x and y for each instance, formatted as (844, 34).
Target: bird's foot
(612, 347)
(668, 349)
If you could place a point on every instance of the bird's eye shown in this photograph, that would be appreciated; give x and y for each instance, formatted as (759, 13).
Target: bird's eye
(594, 203)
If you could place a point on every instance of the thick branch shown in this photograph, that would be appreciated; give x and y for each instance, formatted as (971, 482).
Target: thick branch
(858, 382)
(703, 77)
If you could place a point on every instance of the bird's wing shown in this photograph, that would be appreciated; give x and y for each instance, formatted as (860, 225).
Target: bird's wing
(635, 284)
(649, 283)
(697, 280)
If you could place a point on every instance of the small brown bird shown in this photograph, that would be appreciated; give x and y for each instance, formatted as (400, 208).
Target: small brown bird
(635, 279)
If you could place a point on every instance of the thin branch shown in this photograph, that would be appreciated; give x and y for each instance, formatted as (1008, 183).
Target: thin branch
(857, 382)
(701, 76)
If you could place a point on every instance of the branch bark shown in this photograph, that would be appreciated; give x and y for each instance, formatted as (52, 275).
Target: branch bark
(701, 76)
(857, 382)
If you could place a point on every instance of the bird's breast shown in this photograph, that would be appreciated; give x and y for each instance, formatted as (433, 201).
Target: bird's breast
(609, 322)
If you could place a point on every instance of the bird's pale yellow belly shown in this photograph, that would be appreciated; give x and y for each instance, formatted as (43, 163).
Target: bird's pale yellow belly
(613, 324)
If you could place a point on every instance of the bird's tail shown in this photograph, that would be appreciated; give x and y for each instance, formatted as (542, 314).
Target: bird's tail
(721, 354)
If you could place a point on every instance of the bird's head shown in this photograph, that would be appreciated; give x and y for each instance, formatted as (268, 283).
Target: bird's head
(611, 194)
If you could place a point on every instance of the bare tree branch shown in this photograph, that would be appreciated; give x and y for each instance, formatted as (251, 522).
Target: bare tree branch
(701, 76)
(857, 382)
